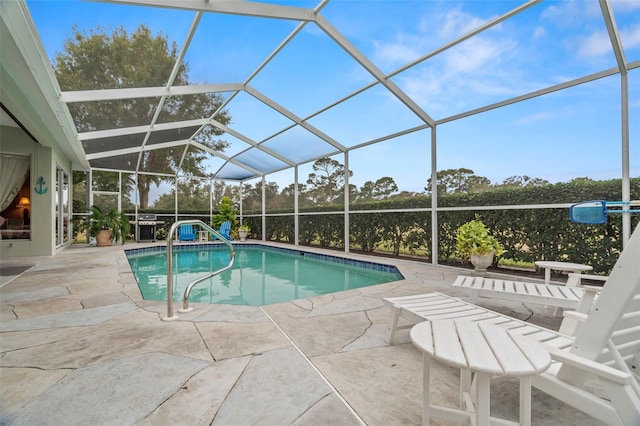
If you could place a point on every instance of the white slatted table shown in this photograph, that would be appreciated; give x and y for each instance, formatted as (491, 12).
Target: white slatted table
(560, 266)
(483, 349)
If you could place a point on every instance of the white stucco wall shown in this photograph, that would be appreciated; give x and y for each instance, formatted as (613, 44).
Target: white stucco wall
(42, 212)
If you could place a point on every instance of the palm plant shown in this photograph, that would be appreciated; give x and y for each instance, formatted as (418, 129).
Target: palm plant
(113, 220)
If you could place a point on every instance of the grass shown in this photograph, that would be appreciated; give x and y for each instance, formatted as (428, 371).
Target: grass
(516, 264)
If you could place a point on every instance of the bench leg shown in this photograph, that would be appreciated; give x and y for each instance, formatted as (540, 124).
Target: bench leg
(483, 397)
(525, 401)
(426, 389)
(393, 323)
(465, 386)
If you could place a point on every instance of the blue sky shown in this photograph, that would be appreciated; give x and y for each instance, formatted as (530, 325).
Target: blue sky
(567, 134)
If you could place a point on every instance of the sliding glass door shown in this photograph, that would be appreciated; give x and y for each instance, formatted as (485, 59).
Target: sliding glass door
(62, 207)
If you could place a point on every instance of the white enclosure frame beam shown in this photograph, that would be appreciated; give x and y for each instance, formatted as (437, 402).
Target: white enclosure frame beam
(252, 143)
(346, 203)
(122, 131)
(229, 7)
(144, 92)
(616, 44)
(348, 47)
(264, 208)
(226, 158)
(136, 149)
(434, 195)
(291, 116)
(296, 206)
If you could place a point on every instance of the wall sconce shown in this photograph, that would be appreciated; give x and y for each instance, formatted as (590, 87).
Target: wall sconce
(25, 203)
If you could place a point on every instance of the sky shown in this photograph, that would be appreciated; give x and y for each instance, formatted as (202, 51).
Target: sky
(557, 137)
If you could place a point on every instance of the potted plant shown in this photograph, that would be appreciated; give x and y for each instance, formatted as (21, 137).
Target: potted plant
(108, 227)
(243, 231)
(474, 242)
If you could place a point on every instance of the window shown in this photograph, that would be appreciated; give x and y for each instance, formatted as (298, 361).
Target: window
(15, 196)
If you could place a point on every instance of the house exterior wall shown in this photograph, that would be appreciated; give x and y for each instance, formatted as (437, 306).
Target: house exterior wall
(42, 211)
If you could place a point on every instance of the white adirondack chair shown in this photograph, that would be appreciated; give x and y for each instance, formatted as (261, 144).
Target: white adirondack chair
(560, 296)
(608, 337)
(606, 344)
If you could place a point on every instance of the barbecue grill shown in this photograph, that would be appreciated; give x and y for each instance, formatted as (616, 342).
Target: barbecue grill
(146, 227)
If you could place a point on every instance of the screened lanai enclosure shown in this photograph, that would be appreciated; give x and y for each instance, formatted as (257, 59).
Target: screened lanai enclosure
(357, 125)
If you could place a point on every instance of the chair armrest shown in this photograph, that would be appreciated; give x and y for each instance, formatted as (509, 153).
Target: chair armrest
(602, 371)
(592, 288)
(574, 315)
(571, 322)
(577, 278)
(588, 298)
(578, 316)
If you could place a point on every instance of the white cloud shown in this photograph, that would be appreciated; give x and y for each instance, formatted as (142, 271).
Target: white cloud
(539, 32)
(478, 53)
(625, 5)
(535, 118)
(408, 46)
(631, 37)
(484, 65)
(457, 23)
(596, 44)
(397, 52)
(477, 67)
(570, 13)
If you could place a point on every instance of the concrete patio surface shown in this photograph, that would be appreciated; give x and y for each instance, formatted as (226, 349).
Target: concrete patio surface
(79, 346)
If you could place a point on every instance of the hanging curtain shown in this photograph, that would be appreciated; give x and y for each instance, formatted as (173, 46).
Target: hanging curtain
(13, 172)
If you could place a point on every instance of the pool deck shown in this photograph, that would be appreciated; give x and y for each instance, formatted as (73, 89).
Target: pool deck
(78, 345)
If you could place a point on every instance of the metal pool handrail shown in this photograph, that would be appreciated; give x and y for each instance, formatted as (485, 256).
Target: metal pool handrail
(185, 300)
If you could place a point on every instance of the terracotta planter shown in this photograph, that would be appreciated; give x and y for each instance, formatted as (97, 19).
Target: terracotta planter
(103, 238)
(482, 261)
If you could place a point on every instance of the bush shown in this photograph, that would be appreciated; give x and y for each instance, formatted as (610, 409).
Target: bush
(473, 238)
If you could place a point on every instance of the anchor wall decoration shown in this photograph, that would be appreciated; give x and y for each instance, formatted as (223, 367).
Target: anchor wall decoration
(40, 188)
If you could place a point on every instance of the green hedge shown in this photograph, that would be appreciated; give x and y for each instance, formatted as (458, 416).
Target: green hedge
(527, 234)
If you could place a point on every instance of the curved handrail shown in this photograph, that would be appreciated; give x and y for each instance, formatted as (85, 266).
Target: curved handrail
(185, 301)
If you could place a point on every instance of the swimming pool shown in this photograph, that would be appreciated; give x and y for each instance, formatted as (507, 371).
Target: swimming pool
(261, 275)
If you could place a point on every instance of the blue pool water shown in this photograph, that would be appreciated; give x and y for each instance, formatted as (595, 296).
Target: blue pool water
(261, 275)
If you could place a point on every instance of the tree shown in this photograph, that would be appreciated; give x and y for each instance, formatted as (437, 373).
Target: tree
(522, 181)
(288, 194)
(378, 190)
(405, 194)
(581, 180)
(327, 181)
(226, 212)
(459, 181)
(193, 195)
(273, 199)
(121, 60)
(252, 197)
(366, 191)
(221, 189)
(384, 187)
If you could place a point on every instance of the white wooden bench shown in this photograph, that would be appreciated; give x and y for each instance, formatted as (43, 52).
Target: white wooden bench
(603, 341)
(559, 296)
(438, 306)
